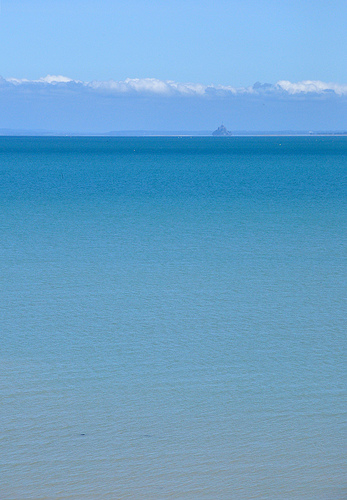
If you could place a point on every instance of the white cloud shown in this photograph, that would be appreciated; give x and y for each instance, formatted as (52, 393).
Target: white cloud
(309, 86)
(149, 85)
(161, 87)
(154, 86)
(51, 79)
(56, 79)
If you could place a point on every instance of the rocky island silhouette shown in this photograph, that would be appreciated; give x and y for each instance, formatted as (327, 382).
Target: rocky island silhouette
(222, 131)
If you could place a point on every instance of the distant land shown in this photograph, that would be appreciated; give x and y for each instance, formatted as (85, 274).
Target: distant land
(58, 105)
(222, 131)
(168, 133)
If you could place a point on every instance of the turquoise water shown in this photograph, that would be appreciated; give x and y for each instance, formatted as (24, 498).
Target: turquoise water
(173, 318)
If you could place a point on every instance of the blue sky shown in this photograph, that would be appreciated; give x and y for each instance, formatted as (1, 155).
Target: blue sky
(230, 44)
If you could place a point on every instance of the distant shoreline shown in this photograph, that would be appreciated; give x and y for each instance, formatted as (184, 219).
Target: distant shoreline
(155, 133)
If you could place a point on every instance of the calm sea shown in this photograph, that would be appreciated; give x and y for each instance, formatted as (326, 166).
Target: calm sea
(173, 318)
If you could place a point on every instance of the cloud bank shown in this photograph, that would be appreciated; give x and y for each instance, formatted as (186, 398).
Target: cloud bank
(168, 87)
(59, 103)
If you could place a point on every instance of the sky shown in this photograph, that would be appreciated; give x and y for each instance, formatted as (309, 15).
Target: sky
(127, 65)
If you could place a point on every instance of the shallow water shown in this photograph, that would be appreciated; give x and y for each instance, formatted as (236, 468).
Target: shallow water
(173, 318)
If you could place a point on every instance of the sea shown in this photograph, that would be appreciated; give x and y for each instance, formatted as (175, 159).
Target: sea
(173, 318)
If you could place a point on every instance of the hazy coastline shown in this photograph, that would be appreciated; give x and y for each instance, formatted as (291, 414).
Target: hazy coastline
(167, 133)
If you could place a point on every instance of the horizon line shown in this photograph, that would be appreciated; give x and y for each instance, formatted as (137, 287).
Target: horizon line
(165, 133)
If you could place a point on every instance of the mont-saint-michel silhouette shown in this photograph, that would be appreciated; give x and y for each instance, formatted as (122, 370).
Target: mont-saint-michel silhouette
(222, 131)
